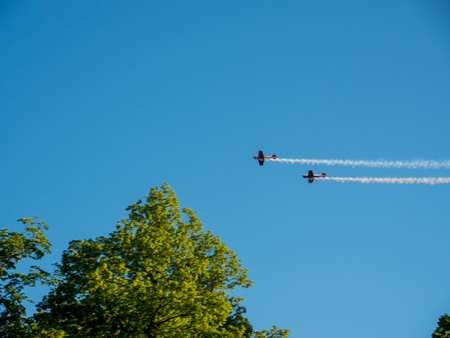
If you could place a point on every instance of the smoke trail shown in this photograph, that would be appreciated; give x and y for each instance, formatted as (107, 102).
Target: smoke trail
(393, 180)
(372, 164)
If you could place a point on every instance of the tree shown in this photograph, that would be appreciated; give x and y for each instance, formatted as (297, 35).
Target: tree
(443, 329)
(236, 319)
(155, 276)
(15, 247)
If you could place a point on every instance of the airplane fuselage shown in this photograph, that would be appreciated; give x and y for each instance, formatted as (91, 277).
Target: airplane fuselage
(261, 158)
(310, 176)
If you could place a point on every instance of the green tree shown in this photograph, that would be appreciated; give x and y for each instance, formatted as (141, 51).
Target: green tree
(14, 248)
(237, 319)
(443, 329)
(157, 275)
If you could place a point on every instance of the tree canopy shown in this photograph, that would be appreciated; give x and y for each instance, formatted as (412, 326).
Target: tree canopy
(159, 274)
(15, 247)
(443, 329)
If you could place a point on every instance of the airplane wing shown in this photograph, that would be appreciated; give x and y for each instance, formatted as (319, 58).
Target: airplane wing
(261, 157)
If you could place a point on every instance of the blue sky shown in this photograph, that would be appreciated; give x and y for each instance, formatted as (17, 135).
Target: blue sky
(102, 101)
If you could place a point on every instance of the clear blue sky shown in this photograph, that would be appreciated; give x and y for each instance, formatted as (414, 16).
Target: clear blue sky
(100, 101)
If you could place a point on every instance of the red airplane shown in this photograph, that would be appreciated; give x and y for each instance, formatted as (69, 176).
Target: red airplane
(261, 157)
(311, 176)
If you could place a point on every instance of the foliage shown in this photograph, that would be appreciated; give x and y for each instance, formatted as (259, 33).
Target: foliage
(15, 247)
(274, 333)
(236, 319)
(443, 329)
(155, 276)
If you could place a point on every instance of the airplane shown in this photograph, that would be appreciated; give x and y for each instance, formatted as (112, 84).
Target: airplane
(261, 157)
(311, 176)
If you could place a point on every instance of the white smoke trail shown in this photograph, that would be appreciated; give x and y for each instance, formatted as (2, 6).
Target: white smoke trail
(393, 180)
(372, 164)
